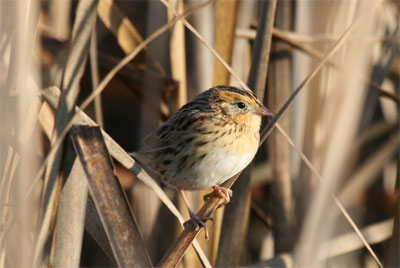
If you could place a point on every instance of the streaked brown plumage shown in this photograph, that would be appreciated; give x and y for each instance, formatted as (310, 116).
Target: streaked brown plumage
(210, 139)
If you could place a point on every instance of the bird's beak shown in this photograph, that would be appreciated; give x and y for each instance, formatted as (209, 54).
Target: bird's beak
(263, 111)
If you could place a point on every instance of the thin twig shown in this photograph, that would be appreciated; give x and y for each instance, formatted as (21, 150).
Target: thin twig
(94, 70)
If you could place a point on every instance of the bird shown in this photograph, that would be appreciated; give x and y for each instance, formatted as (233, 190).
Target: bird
(206, 142)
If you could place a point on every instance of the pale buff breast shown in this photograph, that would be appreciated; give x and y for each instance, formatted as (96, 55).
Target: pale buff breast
(224, 159)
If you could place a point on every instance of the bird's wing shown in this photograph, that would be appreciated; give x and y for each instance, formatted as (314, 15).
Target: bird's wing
(172, 133)
(153, 144)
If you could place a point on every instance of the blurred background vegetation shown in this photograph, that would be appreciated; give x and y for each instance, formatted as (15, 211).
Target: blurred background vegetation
(327, 196)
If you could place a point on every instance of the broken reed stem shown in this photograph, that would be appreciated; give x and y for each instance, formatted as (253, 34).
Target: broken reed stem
(109, 197)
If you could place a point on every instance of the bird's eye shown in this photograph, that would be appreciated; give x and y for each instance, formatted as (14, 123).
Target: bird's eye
(241, 105)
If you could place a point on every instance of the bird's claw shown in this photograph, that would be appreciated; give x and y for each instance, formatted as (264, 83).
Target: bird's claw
(196, 222)
(222, 192)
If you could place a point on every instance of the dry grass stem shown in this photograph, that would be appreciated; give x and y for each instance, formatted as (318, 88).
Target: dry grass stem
(178, 59)
(71, 217)
(86, 15)
(94, 70)
(128, 37)
(109, 198)
(226, 18)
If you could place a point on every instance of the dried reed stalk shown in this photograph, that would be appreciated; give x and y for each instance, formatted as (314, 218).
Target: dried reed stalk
(279, 83)
(261, 50)
(343, 244)
(71, 217)
(226, 17)
(72, 208)
(109, 198)
(365, 174)
(224, 40)
(18, 113)
(128, 37)
(83, 25)
(178, 55)
(94, 71)
(338, 100)
(236, 218)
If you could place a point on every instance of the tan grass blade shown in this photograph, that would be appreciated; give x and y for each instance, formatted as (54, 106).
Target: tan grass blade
(201, 65)
(262, 48)
(235, 224)
(109, 198)
(19, 75)
(86, 15)
(279, 84)
(70, 220)
(71, 212)
(375, 233)
(59, 19)
(178, 55)
(94, 70)
(319, 55)
(241, 60)
(226, 25)
(365, 174)
(334, 146)
(128, 37)
(226, 16)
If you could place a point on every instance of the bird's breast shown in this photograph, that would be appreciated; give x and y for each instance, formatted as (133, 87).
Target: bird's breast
(217, 161)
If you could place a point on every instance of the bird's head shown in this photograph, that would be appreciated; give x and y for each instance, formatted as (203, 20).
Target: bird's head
(239, 105)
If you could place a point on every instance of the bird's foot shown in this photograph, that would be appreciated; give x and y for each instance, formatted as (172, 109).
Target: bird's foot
(222, 192)
(196, 222)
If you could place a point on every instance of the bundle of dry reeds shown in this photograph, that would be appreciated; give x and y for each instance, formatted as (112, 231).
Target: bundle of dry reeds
(83, 82)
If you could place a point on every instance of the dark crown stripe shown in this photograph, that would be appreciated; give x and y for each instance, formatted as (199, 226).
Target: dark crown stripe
(240, 91)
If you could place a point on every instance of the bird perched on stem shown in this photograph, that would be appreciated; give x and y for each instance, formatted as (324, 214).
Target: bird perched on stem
(206, 142)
